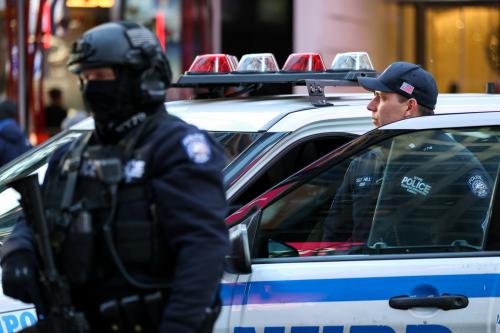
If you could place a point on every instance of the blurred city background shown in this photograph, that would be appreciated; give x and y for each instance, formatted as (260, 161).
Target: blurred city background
(458, 41)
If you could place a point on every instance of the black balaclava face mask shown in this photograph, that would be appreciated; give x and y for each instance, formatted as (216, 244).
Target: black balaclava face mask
(114, 103)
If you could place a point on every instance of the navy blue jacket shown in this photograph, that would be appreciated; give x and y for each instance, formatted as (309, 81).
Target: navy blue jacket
(429, 180)
(12, 141)
(184, 167)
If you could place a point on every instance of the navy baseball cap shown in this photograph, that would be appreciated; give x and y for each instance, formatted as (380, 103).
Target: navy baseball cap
(406, 79)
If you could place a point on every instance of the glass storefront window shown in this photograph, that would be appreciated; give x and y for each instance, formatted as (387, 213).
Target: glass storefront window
(462, 46)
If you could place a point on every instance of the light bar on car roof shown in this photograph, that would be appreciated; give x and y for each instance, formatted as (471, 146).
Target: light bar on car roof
(304, 62)
(213, 64)
(349, 61)
(257, 63)
(221, 70)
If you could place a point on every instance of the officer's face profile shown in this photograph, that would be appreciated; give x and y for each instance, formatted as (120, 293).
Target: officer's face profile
(387, 107)
(98, 74)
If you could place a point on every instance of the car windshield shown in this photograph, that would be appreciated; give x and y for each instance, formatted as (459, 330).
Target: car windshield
(36, 158)
(240, 150)
(234, 144)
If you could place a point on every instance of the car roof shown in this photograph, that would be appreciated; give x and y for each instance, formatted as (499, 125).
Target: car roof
(447, 103)
(469, 119)
(251, 114)
(285, 113)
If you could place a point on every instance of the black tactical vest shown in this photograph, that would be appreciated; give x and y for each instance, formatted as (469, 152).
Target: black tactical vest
(82, 251)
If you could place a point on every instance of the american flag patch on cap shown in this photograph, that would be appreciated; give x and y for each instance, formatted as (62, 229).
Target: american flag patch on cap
(407, 88)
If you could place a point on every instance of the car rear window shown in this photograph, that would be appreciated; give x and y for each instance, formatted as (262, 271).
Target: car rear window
(242, 149)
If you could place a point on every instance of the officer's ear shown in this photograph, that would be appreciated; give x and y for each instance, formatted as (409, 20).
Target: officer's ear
(411, 108)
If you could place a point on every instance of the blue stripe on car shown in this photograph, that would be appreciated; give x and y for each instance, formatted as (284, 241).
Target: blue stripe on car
(357, 289)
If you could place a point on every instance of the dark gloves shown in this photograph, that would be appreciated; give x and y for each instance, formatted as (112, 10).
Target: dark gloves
(20, 276)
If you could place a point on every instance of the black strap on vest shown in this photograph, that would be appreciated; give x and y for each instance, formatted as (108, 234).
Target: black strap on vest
(129, 144)
(72, 167)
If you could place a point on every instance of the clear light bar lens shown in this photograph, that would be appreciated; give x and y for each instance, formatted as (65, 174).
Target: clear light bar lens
(258, 63)
(356, 61)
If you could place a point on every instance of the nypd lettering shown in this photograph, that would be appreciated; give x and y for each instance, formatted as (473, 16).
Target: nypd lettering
(415, 185)
(134, 169)
(17, 320)
(427, 328)
(197, 148)
(478, 186)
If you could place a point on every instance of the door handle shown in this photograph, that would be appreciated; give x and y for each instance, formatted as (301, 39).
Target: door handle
(443, 302)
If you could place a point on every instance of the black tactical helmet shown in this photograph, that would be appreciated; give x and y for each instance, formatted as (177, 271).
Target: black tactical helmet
(124, 45)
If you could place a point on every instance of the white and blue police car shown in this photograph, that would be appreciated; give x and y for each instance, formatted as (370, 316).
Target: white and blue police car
(429, 260)
(266, 139)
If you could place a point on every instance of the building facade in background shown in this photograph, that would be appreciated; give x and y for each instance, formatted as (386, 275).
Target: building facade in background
(184, 28)
(457, 41)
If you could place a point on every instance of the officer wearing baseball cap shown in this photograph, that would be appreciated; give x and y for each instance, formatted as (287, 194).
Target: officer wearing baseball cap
(403, 90)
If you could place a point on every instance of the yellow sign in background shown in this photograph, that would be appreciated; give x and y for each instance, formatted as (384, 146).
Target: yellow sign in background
(90, 3)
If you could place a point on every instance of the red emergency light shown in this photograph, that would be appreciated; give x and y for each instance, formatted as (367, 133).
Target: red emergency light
(213, 64)
(304, 62)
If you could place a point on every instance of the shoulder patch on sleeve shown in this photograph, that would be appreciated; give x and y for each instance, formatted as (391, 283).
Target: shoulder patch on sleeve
(478, 185)
(197, 148)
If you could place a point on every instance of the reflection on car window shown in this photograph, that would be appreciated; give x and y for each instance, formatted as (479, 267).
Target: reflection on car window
(241, 149)
(428, 191)
(35, 161)
(234, 142)
(9, 210)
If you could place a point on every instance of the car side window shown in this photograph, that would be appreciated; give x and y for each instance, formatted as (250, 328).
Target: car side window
(285, 164)
(425, 191)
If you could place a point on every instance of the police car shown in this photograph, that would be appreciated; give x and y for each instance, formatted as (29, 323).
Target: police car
(266, 139)
(430, 261)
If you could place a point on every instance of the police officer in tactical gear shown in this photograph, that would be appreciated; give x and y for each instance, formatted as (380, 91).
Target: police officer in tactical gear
(403, 90)
(136, 209)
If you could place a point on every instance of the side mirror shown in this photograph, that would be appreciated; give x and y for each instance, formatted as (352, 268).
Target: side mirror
(238, 260)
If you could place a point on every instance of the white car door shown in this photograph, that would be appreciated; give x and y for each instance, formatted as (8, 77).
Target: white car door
(15, 315)
(429, 259)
